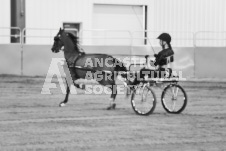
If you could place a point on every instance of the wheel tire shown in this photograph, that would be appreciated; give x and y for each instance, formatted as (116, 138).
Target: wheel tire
(164, 100)
(135, 104)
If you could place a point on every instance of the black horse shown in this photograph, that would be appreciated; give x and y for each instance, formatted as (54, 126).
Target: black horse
(81, 64)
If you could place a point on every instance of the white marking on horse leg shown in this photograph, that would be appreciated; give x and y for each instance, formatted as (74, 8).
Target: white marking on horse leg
(62, 104)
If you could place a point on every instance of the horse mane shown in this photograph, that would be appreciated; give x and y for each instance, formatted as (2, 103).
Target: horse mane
(73, 38)
(75, 41)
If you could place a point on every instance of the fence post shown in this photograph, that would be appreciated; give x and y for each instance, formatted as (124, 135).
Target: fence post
(194, 47)
(22, 52)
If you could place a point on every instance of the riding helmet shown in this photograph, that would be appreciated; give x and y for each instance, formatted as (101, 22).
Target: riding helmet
(165, 37)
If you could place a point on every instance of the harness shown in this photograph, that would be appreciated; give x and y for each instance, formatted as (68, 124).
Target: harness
(72, 65)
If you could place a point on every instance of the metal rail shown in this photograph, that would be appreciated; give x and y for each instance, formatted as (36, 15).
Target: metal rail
(196, 38)
(11, 35)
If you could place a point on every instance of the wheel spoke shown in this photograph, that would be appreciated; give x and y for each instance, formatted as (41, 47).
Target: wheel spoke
(174, 99)
(144, 102)
(175, 93)
(173, 106)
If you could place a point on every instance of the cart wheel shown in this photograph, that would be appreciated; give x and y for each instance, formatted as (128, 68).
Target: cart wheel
(174, 99)
(143, 100)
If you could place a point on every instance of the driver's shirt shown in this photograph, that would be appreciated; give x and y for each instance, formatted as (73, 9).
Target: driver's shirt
(161, 57)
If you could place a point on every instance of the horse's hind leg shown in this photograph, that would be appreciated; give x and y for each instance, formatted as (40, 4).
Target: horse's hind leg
(112, 98)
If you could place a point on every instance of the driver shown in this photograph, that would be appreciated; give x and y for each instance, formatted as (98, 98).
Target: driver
(162, 56)
(165, 56)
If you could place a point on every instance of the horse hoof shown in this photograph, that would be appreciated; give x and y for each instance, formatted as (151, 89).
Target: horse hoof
(61, 104)
(111, 107)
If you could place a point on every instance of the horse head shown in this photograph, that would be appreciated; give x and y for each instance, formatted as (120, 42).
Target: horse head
(58, 43)
(66, 40)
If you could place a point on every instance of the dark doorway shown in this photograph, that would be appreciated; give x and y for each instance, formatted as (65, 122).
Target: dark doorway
(72, 27)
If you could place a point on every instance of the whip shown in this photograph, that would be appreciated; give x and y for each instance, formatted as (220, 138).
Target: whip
(140, 22)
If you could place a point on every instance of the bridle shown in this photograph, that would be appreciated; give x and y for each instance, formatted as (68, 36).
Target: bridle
(57, 39)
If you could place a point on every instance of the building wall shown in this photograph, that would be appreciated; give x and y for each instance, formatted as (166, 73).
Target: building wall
(163, 15)
(178, 17)
(5, 13)
(51, 13)
(4, 20)
(189, 15)
(183, 16)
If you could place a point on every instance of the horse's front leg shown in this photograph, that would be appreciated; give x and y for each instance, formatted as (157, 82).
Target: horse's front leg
(66, 97)
(112, 98)
(63, 103)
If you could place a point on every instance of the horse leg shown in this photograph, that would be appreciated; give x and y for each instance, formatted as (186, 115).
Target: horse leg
(112, 98)
(80, 86)
(66, 97)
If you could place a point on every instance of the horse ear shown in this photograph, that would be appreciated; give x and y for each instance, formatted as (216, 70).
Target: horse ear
(60, 29)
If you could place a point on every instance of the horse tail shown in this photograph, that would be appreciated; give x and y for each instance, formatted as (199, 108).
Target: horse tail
(120, 68)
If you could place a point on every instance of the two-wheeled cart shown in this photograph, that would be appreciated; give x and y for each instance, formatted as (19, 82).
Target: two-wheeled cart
(173, 97)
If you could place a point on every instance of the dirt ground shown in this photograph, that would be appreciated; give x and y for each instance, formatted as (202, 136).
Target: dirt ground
(30, 120)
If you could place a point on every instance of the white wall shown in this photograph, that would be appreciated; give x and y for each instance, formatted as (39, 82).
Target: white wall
(52, 13)
(4, 20)
(163, 15)
(116, 18)
(189, 16)
(5, 13)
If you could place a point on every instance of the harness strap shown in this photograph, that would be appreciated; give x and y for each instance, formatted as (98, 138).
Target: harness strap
(76, 59)
(72, 64)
